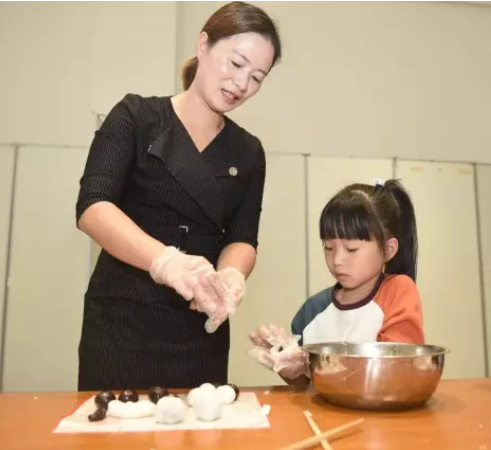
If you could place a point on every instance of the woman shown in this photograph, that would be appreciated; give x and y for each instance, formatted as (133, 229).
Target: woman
(172, 192)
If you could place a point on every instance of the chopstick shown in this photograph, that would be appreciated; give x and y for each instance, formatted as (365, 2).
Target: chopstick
(309, 442)
(310, 420)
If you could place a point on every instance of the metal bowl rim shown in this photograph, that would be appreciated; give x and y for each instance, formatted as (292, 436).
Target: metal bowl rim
(438, 350)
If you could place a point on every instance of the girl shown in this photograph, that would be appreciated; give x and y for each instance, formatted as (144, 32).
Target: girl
(370, 246)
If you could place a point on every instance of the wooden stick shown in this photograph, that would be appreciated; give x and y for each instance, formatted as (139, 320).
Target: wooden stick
(313, 426)
(309, 442)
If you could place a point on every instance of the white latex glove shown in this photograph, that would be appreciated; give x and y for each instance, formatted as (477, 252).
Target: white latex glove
(268, 336)
(291, 362)
(234, 281)
(279, 351)
(234, 285)
(193, 277)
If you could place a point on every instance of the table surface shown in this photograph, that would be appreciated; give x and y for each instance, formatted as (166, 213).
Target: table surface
(457, 417)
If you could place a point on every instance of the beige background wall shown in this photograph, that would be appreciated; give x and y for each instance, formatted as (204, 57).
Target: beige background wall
(47, 272)
(483, 188)
(61, 65)
(278, 284)
(6, 175)
(449, 274)
(63, 62)
(379, 81)
(406, 79)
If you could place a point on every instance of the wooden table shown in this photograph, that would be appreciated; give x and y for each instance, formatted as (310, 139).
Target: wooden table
(458, 417)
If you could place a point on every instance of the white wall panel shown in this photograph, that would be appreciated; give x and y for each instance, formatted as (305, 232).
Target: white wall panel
(48, 273)
(276, 289)
(7, 155)
(484, 206)
(448, 269)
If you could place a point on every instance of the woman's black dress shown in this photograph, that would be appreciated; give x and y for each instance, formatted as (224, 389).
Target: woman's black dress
(137, 334)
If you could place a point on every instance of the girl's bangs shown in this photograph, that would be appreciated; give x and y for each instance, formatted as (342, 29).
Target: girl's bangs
(348, 222)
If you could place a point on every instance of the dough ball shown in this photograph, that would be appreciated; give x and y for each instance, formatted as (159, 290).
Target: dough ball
(170, 410)
(130, 410)
(128, 396)
(208, 387)
(156, 393)
(208, 407)
(226, 394)
(115, 408)
(103, 398)
(99, 414)
(143, 408)
(236, 389)
(193, 395)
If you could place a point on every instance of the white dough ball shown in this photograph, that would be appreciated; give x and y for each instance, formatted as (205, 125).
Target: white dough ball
(170, 410)
(130, 410)
(144, 408)
(226, 394)
(207, 387)
(193, 395)
(115, 408)
(208, 407)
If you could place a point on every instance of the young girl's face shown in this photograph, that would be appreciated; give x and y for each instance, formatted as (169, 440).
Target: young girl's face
(353, 262)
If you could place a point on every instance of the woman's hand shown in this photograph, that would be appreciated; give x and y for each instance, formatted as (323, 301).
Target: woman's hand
(233, 284)
(193, 277)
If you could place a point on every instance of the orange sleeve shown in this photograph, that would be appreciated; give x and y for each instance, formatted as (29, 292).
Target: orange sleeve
(401, 305)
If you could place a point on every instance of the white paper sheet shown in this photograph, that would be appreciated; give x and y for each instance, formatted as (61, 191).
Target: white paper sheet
(245, 412)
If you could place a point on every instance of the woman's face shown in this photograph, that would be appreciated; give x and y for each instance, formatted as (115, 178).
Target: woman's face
(232, 70)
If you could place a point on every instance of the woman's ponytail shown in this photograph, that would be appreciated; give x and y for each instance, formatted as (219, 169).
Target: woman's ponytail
(188, 72)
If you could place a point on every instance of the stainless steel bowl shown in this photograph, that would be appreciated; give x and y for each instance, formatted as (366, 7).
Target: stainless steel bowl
(378, 375)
